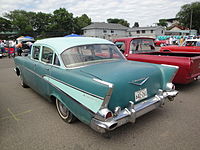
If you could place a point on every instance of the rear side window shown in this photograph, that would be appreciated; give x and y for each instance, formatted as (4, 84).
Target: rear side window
(47, 55)
(36, 52)
(121, 46)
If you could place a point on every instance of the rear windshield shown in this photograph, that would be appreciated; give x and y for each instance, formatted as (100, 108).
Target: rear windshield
(142, 45)
(90, 54)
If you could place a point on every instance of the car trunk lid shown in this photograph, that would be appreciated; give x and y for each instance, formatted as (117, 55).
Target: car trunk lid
(133, 81)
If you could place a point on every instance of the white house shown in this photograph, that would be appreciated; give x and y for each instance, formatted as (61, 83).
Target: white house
(111, 31)
(180, 30)
(152, 32)
(105, 30)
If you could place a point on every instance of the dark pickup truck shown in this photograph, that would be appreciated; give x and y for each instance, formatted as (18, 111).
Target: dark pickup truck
(143, 49)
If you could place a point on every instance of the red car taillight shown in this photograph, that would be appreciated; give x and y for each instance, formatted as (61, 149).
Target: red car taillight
(109, 115)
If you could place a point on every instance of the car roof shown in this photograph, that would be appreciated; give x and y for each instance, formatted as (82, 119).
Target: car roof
(62, 43)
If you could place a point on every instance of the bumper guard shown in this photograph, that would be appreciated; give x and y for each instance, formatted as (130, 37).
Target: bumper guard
(132, 112)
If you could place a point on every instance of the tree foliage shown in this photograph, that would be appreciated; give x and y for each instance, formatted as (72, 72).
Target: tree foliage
(118, 21)
(5, 25)
(162, 22)
(136, 24)
(39, 24)
(187, 12)
(21, 20)
(61, 23)
(81, 22)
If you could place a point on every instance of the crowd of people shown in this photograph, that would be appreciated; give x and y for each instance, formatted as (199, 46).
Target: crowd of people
(11, 48)
(180, 41)
(175, 40)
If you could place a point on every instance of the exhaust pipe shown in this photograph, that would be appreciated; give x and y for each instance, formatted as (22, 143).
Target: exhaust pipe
(171, 95)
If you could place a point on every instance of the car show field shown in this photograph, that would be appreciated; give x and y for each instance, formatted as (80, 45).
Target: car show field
(28, 121)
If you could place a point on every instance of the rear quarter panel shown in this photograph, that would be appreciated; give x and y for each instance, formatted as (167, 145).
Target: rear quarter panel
(75, 90)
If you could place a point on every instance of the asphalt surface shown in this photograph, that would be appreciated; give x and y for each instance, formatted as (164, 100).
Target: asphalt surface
(28, 121)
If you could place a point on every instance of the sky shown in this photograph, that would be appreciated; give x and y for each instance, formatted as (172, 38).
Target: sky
(146, 12)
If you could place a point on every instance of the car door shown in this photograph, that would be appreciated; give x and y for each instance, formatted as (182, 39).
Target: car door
(29, 74)
(43, 68)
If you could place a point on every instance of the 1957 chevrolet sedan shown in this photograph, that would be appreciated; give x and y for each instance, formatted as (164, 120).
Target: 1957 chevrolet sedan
(91, 80)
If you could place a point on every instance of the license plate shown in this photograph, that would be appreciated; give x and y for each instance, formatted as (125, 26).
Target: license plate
(141, 94)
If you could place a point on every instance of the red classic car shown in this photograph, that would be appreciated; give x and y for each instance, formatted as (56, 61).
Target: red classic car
(191, 45)
(143, 49)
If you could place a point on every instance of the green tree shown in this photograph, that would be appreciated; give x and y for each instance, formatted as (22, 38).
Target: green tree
(40, 23)
(22, 21)
(162, 22)
(136, 24)
(6, 24)
(118, 21)
(81, 22)
(189, 15)
(62, 23)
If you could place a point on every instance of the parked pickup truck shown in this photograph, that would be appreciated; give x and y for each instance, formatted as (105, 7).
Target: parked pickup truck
(191, 45)
(143, 49)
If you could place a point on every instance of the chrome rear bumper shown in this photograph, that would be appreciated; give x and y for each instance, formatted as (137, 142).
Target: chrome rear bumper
(132, 112)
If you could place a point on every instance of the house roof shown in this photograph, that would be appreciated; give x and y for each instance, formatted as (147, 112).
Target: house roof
(144, 28)
(103, 25)
(178, 26)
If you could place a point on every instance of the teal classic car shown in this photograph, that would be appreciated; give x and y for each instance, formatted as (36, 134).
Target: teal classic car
(89, 79)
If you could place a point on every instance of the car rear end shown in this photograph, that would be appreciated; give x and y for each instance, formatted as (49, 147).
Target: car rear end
(194, 68)
(128, 99)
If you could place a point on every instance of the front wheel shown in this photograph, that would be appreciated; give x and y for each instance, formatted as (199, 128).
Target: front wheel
(64, 112)
(24, 85)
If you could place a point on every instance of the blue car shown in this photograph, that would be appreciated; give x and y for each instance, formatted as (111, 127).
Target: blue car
(90, 79)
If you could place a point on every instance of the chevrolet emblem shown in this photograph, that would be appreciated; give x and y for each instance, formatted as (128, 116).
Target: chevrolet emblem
(139, 81)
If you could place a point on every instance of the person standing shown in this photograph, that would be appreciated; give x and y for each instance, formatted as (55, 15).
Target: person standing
(171, 40)
(181, 40)
(19, 49)
(2, 47)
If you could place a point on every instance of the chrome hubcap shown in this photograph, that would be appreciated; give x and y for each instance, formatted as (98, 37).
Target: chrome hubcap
(21, 80)
(63, 110)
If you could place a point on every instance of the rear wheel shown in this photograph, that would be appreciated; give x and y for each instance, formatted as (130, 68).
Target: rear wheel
(64, 112)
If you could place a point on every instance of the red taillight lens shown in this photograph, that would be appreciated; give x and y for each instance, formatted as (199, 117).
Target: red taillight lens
(109, 114)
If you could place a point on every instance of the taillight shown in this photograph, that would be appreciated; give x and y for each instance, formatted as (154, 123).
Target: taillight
(104, 113)
(109, 115)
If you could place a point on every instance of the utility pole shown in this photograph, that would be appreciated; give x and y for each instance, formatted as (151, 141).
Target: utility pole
(191, 20)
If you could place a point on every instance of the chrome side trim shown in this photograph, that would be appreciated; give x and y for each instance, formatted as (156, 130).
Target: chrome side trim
(170, 66)
(75, 87)
(64, 83)
(110, 85)
(33, 72)
(132, 112)
(71, 98)
(108, 94)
